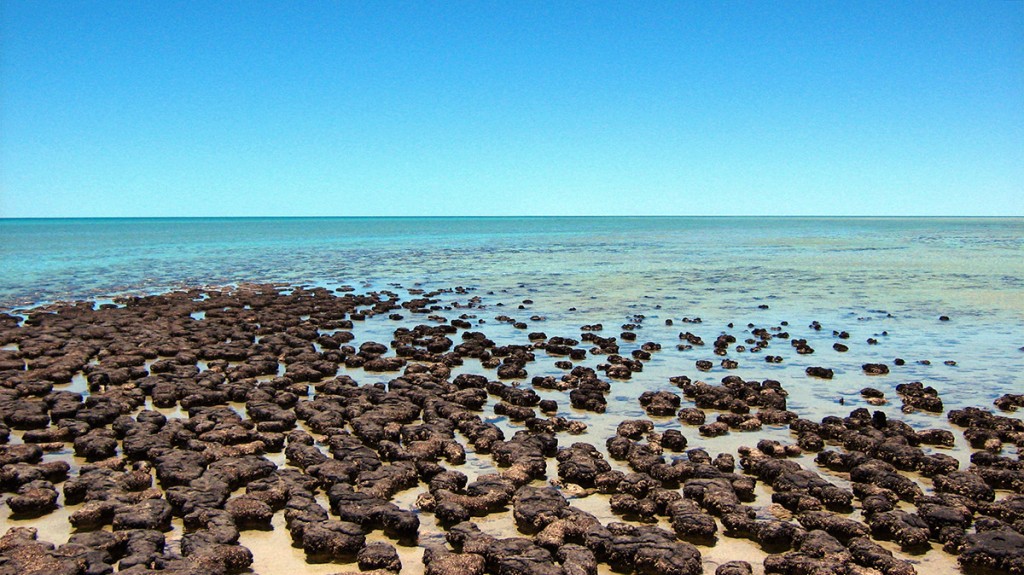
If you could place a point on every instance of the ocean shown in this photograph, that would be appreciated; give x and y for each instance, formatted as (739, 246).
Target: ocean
(816, 265)
(866, 276)
(886, 282)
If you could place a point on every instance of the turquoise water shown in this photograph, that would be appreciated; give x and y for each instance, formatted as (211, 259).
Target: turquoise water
(862, 275)
(965, 266)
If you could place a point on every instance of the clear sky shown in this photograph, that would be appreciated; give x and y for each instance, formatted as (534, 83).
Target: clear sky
(202, 108)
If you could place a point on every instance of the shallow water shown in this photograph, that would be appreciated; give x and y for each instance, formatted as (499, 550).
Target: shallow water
(886, 279)
(899, 263)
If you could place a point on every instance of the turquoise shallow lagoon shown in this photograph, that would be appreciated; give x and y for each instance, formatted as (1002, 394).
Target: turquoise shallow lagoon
(867, 276)
(887, 280)
(912, 265)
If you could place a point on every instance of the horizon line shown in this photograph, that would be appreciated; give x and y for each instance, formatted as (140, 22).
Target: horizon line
(544, 216)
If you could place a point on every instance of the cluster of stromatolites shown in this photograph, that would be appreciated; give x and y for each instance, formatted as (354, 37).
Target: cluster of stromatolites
(283, 355)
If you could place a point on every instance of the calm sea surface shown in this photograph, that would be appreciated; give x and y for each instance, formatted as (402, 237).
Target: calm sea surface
(862, 275)
(914, 266)
(887, 280)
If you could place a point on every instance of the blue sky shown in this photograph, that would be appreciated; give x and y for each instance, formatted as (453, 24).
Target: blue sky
(511, 108)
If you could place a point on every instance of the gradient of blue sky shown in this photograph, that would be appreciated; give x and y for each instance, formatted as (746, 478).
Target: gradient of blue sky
(505, 108)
